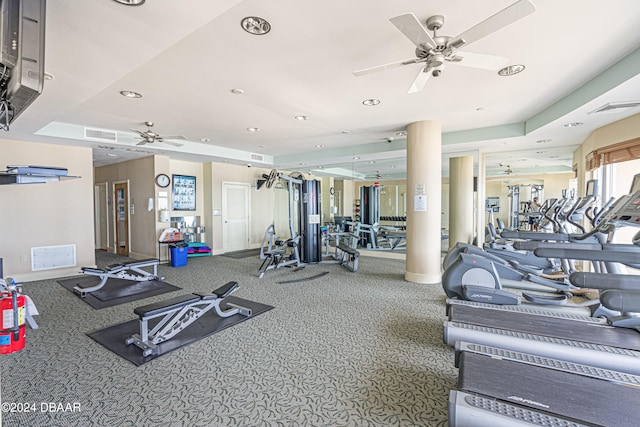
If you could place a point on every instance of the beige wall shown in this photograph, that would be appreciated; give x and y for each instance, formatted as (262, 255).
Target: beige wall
(262, 202)
(51, 214)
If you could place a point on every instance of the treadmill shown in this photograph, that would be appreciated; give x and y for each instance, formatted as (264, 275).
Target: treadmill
(498, 387)
(603, 345)
(549, 381)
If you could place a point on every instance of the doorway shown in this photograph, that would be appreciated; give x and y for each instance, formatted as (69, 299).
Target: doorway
(101, 216)
(121, 197)
(235, 216)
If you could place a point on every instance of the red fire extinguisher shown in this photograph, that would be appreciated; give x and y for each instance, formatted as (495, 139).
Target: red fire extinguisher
(12, 308)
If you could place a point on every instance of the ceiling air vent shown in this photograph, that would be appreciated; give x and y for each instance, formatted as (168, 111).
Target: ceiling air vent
(100, 135)
(616, 107)
(257, 157)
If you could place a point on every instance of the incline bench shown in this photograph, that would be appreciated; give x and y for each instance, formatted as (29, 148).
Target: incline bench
(347, 256)
(120, 271)
(178, 313)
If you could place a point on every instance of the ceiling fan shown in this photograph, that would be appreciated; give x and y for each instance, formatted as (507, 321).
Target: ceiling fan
(508, 170)
(432, 52)
(149, 136)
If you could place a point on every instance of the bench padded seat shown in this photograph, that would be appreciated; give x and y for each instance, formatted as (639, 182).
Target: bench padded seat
(162, 306)
(93, 270)
(222, 292)
(348, 250)
(142, 262)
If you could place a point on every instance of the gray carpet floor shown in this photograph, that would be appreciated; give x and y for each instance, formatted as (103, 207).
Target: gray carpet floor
(346, 349)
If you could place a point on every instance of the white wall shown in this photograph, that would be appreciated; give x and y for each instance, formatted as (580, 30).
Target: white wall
(51, 214)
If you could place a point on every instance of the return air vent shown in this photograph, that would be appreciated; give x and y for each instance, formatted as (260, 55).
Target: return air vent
(100, 135)
(616, 107)
(257, 157)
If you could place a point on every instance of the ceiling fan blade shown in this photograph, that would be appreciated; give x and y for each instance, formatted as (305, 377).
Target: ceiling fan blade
(477, 60)
(420, 81)
(384, 67)
(138, 132)
(143, 142)
(409, 25)
(174, 137)
(516, 11)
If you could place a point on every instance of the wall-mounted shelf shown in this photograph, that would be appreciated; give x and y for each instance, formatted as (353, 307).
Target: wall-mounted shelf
(33, 175)
(13, 178)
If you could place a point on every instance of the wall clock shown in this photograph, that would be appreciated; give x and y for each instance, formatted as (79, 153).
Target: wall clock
(163, 180)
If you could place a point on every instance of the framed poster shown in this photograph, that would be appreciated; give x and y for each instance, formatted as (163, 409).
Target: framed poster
(184, 193)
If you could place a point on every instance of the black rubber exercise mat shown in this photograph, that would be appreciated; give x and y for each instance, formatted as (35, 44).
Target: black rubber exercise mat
(113, 337)
(117, 291)
(245, 253)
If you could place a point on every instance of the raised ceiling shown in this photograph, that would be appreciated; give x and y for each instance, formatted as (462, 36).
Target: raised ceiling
(186, 58)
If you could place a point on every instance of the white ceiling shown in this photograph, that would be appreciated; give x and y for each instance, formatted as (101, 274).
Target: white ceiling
(185, 57)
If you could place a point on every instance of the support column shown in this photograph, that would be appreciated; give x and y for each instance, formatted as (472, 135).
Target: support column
(424, 203)
(461, 216)
(481, 192)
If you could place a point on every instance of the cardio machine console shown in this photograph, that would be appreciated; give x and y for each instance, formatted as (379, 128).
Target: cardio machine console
(628, 213)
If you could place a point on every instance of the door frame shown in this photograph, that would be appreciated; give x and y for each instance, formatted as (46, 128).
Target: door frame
(127, 200)
(101, 210)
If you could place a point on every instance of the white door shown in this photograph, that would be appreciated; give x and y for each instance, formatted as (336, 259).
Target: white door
(235, 216)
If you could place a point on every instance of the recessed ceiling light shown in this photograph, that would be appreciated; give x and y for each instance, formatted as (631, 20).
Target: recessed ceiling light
(481, 109)
(356, 158)
(302, 164)
(511, 70)
(371, 102)
(237, 91)
(319, 146)
(554, 157)
(541, 152)
(301, 117)
(255, 25)
(204, 140)
(543, 141)
(572, 125)
(112, 155)
(253, 129)
(372, 161)
(130, 94)
(393, 166)
(130, 2)
(345, 132)
(401, 133)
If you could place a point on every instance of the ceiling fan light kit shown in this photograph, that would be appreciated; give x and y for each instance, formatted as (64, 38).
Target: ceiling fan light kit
(433, 52)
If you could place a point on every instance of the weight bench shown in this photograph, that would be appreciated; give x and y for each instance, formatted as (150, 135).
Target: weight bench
(127, 271)
(347, 257)
(177, 313)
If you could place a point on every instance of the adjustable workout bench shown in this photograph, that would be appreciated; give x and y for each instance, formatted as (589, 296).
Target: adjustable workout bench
(178, 313)
(120, 271)
(347, 257)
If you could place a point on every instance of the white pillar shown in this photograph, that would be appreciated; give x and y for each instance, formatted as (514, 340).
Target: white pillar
(461, 215)
(481, 214)
(424, 204)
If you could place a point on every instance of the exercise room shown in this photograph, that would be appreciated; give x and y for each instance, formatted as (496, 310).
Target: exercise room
(249, 213)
